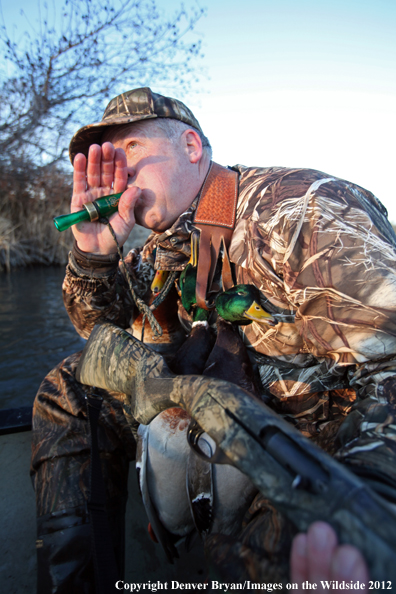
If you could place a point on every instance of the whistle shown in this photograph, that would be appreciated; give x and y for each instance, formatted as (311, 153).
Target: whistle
(92, 211)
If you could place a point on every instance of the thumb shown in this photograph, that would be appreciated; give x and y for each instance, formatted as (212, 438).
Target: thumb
(127, 203)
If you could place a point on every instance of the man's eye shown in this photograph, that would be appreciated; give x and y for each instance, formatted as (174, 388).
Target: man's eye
(131, 146)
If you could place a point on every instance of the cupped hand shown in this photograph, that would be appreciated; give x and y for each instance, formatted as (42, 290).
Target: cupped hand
(317, 557)
(105, 173)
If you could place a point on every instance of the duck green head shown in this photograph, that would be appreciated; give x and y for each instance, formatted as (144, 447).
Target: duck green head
(241, 304)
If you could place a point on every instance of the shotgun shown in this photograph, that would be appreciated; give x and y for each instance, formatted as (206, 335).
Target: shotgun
(299, 479)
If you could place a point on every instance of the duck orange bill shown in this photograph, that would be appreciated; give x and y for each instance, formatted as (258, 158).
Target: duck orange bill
(159, 281)
(258, 314)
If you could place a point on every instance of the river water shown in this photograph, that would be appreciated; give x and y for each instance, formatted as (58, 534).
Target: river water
(35, 331)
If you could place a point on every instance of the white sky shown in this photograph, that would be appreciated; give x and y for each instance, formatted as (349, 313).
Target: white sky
(306, 83)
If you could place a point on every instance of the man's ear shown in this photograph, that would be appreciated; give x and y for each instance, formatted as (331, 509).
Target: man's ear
(193, 145)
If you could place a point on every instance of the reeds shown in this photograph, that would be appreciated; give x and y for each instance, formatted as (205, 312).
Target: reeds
(29, 199)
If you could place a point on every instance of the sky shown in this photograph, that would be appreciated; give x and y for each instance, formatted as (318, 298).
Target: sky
(308, 83)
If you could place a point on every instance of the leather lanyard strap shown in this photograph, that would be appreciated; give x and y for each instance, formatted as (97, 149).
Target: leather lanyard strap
(215, 219)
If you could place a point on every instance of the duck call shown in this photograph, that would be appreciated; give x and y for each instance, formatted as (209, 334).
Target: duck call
(92, 211)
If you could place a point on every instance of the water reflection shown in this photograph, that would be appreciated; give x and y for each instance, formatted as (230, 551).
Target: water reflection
(35, 332)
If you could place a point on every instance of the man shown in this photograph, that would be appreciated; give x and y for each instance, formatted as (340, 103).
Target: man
(321, 252)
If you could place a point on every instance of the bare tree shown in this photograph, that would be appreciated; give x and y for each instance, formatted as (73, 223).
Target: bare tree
(61, 69)
(57, 74)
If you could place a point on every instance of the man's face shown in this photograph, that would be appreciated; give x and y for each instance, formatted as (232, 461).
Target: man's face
(160, 167)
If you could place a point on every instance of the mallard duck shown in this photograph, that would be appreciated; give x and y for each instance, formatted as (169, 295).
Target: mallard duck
(187, 286)
(229, 359)
(241, 305)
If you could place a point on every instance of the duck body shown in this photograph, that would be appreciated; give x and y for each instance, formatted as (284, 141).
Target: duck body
(169, 472)
(229, 359)
(167, 456)
(193, 353)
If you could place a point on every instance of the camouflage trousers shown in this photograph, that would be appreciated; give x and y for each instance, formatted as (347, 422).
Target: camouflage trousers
(60, 468)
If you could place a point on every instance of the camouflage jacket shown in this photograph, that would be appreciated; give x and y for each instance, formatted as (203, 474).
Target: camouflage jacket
(323, 254)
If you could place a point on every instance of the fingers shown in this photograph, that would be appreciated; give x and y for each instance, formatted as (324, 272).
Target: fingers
(316, 557)
(94, 166)
(106, 169)
(312, 554)
(126, 205)
(349, 564)
(321, 545)
(107, 165)
(299, 560)
(79, 176)
(120, 171)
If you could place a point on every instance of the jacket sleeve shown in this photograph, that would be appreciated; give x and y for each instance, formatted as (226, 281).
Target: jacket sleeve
(95, 288)
(327, 255)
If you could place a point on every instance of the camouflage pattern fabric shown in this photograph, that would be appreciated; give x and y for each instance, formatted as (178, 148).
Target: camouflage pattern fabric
(60, 442)
(261, 551)
(322, 254)
(60, 470)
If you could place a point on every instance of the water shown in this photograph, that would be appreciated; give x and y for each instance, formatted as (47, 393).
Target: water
(35, 332)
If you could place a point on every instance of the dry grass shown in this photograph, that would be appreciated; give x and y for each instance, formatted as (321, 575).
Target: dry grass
(29, 199)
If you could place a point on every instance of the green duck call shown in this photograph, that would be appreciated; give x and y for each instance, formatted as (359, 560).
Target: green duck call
(92, 211)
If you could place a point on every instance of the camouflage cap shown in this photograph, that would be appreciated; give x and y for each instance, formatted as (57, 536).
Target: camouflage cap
(132, 106)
